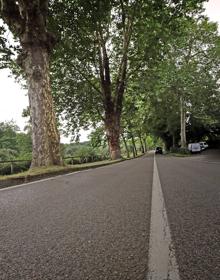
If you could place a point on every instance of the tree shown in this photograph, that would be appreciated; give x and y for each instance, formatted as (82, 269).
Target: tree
(103, 45)
(107, 23)
(184, 83)
(8, 147)
(13, 143)
(195, 67)
(24, 144)
(27, 20)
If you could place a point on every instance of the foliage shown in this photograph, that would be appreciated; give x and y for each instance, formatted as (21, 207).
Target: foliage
(42, 172)
(189, 69)
(7, 168)
(180, 151)
(76, 77)
(76, 153)
(155, 52)
(97, 137)
(8, 147)
(14, 144)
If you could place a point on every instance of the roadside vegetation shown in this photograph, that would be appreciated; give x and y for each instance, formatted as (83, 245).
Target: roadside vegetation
(16, 148)
(38, 173)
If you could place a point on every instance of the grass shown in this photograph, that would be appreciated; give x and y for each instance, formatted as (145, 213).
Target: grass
(53, 170)
(38, 173)
(178, 155)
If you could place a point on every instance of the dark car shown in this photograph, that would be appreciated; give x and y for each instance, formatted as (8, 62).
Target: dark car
(158, 150)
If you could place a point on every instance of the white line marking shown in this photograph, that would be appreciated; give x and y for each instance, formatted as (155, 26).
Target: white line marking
(162, 262)
(42, 180)
(57, 176)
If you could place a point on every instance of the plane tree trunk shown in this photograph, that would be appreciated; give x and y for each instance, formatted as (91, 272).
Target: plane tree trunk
(182, 123)
(27, 21)
(145, 144)
(112, 105)
(126, 145)
(113, 131)
(141, 143)
(134, 145)
(45, 137)
(112, 93)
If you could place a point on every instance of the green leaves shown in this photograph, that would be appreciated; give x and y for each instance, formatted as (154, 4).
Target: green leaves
(14, 144)
(173, 50)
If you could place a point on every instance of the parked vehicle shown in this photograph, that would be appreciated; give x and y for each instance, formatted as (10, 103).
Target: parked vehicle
(158, 150)
(203, 145)
(194, 147)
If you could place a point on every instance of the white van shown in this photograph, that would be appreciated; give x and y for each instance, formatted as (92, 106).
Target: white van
(194, 147)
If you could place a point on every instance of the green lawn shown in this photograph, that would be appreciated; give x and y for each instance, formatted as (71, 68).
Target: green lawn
(57, 169)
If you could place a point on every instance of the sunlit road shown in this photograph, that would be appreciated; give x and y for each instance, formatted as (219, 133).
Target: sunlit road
(96, 224)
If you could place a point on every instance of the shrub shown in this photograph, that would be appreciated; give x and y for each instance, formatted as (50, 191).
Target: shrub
(183, 151)
(6, 168)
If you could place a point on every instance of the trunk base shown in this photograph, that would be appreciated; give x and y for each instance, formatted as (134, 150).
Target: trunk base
(116, 154)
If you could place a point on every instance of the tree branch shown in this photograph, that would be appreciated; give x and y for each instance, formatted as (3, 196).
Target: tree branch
(122, 71)
(87, 80)
(11, 15)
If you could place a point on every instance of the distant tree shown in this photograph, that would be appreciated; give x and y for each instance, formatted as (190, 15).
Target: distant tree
(184, 86)
(13, 143)
(97, 137)
(8, 132)
(24, 144)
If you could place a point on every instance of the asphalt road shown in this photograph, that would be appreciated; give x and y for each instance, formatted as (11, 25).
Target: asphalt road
(191, 188)
(90, 225)
(96, 224)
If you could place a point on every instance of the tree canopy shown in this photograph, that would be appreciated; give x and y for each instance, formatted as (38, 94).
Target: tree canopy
(127, 68)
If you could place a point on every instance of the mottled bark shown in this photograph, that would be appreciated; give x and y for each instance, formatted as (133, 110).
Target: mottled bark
(45, 136)
(112, 127)
(126, 146)
(27, 20)
(112, 107)
(182, 123)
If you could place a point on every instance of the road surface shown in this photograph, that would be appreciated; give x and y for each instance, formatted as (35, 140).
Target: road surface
(191, 188)
(96, 224)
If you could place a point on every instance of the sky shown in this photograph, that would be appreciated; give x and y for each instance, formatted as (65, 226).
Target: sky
(14, 99)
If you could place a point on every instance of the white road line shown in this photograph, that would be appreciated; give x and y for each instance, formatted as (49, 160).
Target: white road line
(56, 177)
(43, 180)
(162, 262)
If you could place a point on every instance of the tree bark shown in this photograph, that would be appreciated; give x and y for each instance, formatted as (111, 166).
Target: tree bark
(145, 145)
(134, 146)
(27, 20)
(112, 106)
(126, 146)
(112, 127)
(45, 136)
(141, 143)
(182, 123)
(113, 95)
